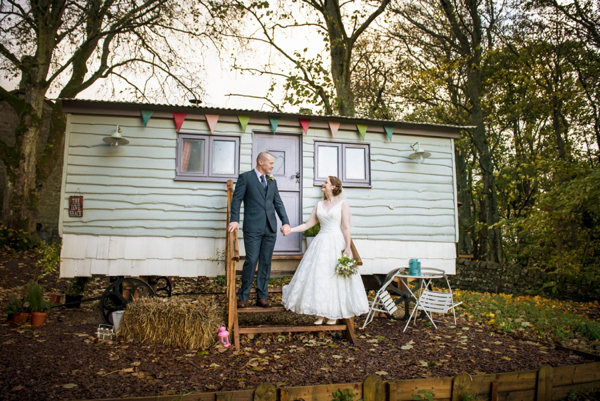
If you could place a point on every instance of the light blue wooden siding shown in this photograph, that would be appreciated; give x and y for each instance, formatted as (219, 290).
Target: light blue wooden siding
(408, 201)
(130, 191)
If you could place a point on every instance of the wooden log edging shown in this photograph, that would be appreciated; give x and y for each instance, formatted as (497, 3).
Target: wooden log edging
(545, 384)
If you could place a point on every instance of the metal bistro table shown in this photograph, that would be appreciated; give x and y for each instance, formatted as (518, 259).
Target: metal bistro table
(427, 274)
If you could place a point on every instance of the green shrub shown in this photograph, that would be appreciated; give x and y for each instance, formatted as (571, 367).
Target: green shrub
(18, 240)
(14, 305)
(77, 285)
(35, 298)
(313, 231)
(48, 258)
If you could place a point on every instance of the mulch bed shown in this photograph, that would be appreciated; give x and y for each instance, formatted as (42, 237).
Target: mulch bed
(64, 360)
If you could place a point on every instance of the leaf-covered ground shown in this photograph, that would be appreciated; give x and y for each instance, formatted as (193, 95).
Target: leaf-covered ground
(64, 360)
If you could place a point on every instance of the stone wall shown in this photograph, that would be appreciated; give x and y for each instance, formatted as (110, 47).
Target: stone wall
(484, 276)
(50, 195)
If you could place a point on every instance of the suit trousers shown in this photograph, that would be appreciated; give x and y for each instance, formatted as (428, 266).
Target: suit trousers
(259, 250)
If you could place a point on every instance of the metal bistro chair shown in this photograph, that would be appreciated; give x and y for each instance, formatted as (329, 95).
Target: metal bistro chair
(383, 302)
(430, 301)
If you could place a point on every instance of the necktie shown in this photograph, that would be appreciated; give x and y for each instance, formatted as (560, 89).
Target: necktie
(263, 181)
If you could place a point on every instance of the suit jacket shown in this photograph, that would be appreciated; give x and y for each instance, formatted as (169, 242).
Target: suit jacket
(259, 208)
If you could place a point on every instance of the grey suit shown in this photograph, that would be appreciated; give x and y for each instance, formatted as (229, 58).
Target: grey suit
(260, 229)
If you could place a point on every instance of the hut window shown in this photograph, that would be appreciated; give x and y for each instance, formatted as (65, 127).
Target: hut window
(348, 161)
(207, 157)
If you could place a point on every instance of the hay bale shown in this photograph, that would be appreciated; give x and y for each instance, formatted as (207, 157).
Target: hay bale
(191, 323)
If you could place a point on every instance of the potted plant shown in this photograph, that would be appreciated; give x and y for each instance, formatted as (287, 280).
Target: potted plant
(38, 306)
(75, 291)
(14, 308)
(311, 233)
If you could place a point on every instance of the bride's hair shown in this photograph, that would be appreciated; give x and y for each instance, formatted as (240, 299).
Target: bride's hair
(337, 186)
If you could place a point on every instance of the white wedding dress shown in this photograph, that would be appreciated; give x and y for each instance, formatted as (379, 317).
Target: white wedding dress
(315, 289)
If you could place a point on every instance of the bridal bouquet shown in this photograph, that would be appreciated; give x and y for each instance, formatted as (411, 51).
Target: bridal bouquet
(346, 267)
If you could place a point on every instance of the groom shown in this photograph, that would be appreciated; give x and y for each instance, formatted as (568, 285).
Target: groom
(258, 190)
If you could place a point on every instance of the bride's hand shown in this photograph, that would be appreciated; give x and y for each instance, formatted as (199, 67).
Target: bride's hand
(347, 253)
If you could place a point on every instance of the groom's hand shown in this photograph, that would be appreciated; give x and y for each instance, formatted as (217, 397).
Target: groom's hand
(234, 225)
(286, 230)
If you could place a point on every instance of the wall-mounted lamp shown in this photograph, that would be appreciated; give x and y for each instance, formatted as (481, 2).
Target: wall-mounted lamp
(418, 153)
(116, 140)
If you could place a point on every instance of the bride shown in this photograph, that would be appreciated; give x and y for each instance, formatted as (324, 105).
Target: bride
(315, 289)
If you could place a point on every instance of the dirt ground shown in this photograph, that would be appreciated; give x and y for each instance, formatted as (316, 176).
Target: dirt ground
(64, 360)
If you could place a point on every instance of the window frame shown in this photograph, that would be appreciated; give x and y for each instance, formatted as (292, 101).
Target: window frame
(207, 176)
(342, 146)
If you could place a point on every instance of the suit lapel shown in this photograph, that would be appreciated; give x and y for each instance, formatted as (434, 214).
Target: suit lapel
(260, 187)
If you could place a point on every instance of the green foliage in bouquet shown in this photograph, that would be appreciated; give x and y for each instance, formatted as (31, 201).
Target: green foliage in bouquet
(346, 267)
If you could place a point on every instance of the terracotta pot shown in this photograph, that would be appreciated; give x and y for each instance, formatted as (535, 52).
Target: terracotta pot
(38, 318)
(55, 298)
(20, 317)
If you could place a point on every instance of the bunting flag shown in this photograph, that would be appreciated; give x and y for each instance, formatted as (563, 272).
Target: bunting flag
(179, 119)
(274, 120)
(244, 122)
(389, 130)
(334, 126)
(211, 120)
(146, 114)
(362, 130)
(305, 123)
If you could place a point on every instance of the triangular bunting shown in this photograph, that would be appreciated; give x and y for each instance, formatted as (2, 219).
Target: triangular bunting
(362, 130)
(211, 120)
(244, 122)
(146, 114)
(389, 130)
(305, 123)
(179, 119)
(334, 126)
(274, 120)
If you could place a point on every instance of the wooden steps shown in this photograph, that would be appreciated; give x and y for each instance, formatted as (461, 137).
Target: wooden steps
(276, 257)
(259, 309)
(291, 329)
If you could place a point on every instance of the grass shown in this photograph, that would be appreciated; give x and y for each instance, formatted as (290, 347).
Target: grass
(534, 317)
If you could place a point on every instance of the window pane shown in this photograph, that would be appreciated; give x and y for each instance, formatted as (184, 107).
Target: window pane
(223, 157)
(192, 156)
(355, 164)
(327, 164)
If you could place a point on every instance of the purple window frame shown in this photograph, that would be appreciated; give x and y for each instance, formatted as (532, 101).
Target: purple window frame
(208, 146)
(342, 146)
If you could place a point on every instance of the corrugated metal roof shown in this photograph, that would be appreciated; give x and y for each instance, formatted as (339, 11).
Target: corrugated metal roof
(226, 110)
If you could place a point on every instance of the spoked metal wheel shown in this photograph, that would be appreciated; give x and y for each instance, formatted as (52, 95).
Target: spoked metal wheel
(162, 286)
(120, 293)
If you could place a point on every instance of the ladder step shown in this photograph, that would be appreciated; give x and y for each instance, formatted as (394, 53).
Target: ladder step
(260, 309)
(279, 257)
(272, 290)
(291, 329)
(274, 273)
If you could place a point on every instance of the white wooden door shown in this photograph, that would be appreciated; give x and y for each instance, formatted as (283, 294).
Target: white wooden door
(287, 153)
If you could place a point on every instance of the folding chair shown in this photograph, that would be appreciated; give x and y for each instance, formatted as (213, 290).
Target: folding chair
(382, 302)
(438, 302)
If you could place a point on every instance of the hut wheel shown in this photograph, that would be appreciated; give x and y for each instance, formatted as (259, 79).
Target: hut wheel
(121, 292)
(162, 286)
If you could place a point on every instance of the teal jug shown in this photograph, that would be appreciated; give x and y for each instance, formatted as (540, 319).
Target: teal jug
(414, 267)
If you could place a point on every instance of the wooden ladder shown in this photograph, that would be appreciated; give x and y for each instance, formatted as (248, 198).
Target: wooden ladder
(232, 255)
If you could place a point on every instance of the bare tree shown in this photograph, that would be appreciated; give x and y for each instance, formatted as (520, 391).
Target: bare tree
(64, 47)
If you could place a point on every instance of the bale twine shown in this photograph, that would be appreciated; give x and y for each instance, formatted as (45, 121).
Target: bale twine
(184, 323)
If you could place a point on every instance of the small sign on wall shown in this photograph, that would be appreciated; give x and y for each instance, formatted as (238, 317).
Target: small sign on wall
(75, 206)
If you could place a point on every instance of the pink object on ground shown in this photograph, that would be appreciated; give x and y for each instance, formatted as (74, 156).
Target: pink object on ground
(224, 336)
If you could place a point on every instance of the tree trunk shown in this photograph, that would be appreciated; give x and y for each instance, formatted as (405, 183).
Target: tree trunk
(341, 55)
(465, 226)
(20, 205)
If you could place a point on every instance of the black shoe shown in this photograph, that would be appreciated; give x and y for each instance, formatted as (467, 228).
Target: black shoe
(241, 304)
(263, 303)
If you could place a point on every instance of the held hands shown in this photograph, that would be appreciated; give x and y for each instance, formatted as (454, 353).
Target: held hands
(286, 230)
